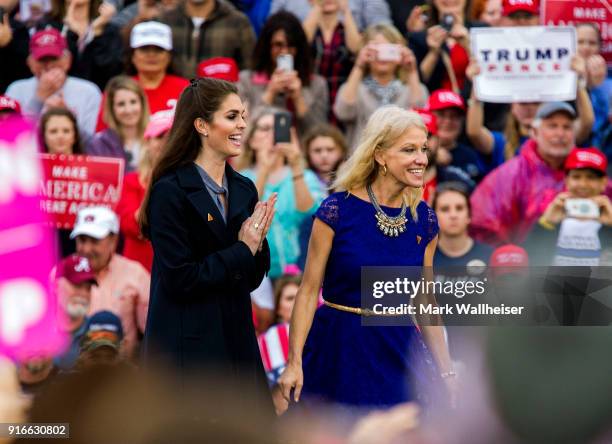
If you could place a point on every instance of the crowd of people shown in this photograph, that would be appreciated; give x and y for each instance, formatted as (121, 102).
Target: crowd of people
(103, 79)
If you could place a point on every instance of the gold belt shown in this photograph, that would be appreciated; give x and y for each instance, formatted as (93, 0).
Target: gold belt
(357, 310)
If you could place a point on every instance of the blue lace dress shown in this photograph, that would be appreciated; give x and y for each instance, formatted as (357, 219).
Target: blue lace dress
(366, 366)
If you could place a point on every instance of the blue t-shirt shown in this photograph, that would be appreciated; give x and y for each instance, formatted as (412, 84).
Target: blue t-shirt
(478, 252)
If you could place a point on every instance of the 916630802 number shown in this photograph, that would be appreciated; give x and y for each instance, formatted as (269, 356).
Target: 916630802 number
(55, 430)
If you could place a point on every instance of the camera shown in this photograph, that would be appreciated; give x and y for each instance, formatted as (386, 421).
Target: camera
(581, 209)
(387, 52)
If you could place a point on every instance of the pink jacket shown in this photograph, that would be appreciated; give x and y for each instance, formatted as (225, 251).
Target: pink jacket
(512, 197)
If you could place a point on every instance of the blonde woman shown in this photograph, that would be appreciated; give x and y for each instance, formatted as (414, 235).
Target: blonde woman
(385, 73)
(126, 114)
(377, 220)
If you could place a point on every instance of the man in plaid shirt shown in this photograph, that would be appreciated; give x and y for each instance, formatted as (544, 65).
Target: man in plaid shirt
(202, 29)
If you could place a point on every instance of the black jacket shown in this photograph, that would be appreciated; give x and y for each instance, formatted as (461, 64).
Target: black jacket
(14, 56)
(200, 307)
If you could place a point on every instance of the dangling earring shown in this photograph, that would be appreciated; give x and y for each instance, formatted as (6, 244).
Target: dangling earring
(384, 173)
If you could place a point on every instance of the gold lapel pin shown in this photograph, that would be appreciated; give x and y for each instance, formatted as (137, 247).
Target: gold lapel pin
(210, 218)
(418, 239)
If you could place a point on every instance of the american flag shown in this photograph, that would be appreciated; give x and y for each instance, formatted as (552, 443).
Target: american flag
(274, 348)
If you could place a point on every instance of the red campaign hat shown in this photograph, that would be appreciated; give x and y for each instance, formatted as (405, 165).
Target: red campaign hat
(509, 256)
(47, 43)
(512, 6)
(223, 68)
(443, 99)
(76, 269)
(8, 104)
(590, 158)
(430, 121)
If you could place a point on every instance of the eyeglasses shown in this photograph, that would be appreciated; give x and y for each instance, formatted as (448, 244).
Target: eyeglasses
(264, 128)
(281, 45)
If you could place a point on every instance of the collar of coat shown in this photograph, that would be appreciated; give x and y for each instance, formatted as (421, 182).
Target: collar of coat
(241, 193)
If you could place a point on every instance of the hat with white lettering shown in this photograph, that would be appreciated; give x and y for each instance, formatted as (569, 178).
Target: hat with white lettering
(96, 222)
(590, 158)
(151, 34)
(76, 269)
(47, 43)
(443, 99)
(223, 68)
(512, 6)
(549, 108)
(9, 104)
(509, 255)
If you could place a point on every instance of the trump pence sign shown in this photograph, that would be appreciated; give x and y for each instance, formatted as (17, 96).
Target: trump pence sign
(524, 64)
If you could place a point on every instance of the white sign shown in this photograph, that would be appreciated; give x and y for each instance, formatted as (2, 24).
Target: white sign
(33, 9)
(524, 64)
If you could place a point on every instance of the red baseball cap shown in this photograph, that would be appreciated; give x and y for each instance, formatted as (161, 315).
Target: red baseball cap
(8, 104)
(223, 68)
(76, 269)
(430, 121)
(47, 43)
(443, 99)
(509, 256)
(590, 158)
(512, 6)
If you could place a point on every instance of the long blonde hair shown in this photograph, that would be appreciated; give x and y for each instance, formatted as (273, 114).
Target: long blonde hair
(124, 82)
(390, 33)
(385, 126)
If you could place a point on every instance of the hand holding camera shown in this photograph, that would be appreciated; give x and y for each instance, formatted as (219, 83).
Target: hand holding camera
(366, 55)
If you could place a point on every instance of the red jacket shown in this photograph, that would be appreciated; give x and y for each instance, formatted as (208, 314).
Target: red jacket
(136, 247)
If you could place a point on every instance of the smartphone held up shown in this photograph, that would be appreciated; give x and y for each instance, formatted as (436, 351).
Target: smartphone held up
(282, 127)
(284, 62)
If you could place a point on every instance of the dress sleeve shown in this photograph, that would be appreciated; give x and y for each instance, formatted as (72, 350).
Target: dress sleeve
(329, 211)
(431, 224)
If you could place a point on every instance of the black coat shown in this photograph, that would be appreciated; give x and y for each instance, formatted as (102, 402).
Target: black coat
(200, 308)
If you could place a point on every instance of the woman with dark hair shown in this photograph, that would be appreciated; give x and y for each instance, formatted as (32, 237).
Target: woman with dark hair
(295, 87)
(126, 113)
(208, 234)
(59, 132)
(149, 62)
(95, 43)
(442, 50)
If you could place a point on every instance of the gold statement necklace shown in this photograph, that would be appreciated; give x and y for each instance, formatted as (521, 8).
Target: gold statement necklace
(390, 226)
